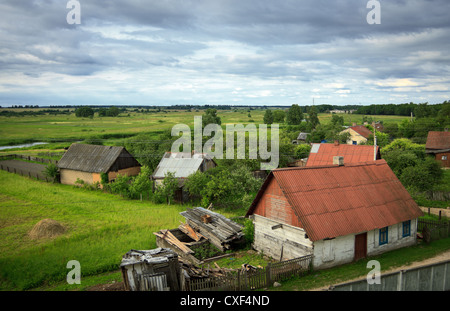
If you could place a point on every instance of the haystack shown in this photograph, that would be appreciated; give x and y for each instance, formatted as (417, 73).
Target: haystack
(46, 228)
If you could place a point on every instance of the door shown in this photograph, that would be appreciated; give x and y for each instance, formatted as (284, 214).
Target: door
(360, 246)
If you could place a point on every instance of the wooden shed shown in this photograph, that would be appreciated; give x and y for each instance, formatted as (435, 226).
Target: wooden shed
(438, 145)
(151, 270)
(88, 162)
(182, 164)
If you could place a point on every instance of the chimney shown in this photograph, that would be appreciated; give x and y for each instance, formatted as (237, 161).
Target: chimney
(337, 160)
(336, 142)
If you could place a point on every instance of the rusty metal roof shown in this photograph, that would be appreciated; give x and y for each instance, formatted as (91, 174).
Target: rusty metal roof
(322, 154)
(438, 140)
(332, 201)
(90, 158)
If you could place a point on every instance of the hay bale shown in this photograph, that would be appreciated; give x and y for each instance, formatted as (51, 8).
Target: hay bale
(46, 228)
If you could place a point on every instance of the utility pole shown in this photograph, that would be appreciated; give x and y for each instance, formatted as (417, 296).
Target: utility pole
(374, 143)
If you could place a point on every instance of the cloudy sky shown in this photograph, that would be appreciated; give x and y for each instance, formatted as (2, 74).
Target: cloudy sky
(236, 52)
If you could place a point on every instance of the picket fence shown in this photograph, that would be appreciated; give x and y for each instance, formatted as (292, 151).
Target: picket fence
(243, 280)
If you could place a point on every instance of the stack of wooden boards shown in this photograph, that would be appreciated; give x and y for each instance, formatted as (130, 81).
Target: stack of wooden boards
(218, 229)
(170, 238)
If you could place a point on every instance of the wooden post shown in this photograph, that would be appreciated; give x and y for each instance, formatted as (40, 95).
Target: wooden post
(440, 214)
(268, 281)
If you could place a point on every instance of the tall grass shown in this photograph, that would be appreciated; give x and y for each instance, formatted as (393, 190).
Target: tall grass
(100, 229)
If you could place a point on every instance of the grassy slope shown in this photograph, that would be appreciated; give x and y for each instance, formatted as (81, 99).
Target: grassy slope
(100, 229)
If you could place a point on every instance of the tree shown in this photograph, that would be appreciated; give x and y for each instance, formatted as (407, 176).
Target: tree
(279, 116)
(52, 172)
(169, 186)
(294, 115)
(268, 117)
(210, 117)
(121, 185)
(142, 182)
(423, 176)
(84, 112)
(313, 118)
(337, 120)
(113, 112)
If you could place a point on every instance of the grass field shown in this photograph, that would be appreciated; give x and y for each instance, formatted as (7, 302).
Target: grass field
(62, 128)
(100, 229)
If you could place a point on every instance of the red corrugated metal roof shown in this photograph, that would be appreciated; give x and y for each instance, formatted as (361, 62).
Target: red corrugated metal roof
(438, 140)
(332, 201)
(351, 154)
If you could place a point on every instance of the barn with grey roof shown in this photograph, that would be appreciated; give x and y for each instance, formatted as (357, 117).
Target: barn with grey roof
(87, 163)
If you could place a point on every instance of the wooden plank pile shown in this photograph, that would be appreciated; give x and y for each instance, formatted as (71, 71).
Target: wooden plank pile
(170, 238)
(218, 229)
(196, 272)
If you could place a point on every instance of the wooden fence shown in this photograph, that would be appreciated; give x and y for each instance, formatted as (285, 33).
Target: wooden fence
(433, 229)
(28, 158)
(249, 280)
(25, 172)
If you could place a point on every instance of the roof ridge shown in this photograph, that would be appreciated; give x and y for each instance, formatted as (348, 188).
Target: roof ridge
(376, 162)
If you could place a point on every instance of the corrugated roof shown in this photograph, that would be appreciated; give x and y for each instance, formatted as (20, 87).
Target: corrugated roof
(90, 158)
(322, 154)
(181, 163)
(438, 140)
(332, 201)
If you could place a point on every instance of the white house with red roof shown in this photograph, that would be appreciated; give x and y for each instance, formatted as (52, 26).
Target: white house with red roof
(338, 213)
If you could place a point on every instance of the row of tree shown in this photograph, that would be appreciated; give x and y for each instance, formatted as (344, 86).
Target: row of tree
(88, 112)
(418, 110)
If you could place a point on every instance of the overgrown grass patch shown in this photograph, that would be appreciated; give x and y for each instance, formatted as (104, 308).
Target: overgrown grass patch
(100, 227)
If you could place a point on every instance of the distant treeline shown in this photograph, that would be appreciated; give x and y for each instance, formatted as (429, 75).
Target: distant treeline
(422, 110)
(405, 109)
(8, 113)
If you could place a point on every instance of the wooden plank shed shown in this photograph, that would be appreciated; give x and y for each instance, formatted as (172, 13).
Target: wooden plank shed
(88, 162)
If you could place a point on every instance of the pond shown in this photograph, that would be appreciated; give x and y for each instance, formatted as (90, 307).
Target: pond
(22, 146)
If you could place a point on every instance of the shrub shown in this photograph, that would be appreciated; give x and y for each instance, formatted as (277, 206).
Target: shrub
(52, 171)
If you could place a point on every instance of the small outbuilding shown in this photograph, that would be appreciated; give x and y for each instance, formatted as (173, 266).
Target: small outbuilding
(438, 144)
(339, 213)
(87, 163)
(358, 134)
(182, 164)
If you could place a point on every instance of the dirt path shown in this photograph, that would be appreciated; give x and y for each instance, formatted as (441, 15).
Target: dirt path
(438, 258)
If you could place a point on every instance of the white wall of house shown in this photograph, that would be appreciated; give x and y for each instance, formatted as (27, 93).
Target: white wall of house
(283, 243)
(395, 239)
(288, 242)
(333, 252)
(341, 250)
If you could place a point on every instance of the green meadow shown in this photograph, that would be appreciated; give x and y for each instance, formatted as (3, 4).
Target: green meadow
(100, 228)
(67, 128)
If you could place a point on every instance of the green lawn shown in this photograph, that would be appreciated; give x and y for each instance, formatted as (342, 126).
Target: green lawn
(100, 229)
